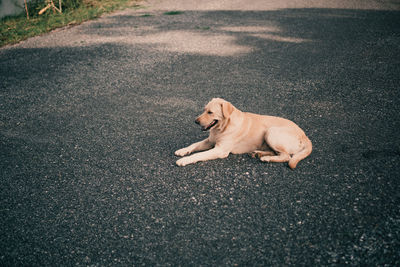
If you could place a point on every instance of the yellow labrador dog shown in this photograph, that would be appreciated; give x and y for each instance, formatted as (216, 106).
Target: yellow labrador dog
(272, 139)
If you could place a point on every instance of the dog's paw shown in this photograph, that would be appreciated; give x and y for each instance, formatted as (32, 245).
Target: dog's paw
(261, 154)
(265, 158)
(183, 162)
(182, 152)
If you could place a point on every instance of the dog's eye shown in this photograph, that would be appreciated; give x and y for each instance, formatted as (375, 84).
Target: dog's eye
(209, 112)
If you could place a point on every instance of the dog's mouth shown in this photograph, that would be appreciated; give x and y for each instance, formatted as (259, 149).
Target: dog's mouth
(212, 124)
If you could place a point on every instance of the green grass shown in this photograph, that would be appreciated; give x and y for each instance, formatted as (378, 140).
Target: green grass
(171, 13)
(16, 29)
(204, 28)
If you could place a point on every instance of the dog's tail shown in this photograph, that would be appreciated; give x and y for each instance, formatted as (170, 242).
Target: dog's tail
(302, 154)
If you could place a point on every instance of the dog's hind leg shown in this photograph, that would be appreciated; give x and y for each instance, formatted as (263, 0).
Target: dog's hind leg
(261, 153)
(281, 157)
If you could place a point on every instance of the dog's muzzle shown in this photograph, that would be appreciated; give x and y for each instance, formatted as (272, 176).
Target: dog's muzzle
(212, 124)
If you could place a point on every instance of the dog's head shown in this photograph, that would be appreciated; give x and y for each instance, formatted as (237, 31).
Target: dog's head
(215, 114)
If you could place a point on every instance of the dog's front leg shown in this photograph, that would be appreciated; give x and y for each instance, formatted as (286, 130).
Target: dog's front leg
(199, 146)
(214, 153)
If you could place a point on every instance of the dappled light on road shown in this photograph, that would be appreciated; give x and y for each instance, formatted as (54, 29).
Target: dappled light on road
(210, 40)
(188, 42)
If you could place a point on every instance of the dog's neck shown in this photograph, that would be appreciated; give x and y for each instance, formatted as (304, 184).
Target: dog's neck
(234, 117)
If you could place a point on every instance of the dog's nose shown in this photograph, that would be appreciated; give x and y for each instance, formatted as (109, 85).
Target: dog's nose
(197, 121)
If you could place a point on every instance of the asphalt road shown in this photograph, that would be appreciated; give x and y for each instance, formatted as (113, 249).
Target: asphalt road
(91, 116)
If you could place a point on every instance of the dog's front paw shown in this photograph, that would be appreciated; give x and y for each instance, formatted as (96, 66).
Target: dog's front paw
(183, 161)
(265, 158)
(182, 152)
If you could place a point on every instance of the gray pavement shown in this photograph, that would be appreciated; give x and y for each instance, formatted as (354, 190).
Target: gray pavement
(90, 117)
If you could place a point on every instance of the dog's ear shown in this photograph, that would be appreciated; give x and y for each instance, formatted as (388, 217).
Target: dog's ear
(227, 109)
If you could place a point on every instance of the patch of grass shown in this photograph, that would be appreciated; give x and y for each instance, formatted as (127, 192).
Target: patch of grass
(18, 28)
(172, 13)
(204, 28)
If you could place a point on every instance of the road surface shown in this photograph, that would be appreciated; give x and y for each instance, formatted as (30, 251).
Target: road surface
(91, 116)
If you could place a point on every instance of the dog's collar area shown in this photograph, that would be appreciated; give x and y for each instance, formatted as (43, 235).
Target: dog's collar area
(212, 124)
